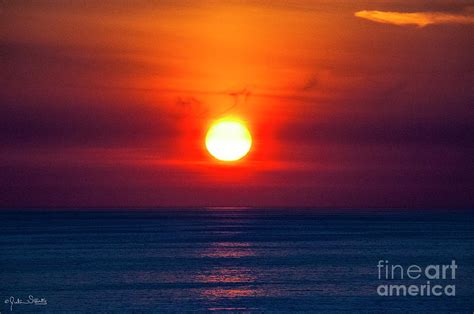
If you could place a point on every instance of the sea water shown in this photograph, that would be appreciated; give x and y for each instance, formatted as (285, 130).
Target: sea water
(228, 259)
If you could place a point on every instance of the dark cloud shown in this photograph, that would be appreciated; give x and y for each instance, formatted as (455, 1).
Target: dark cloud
(49, 65)
(70, 124)
(381, 129)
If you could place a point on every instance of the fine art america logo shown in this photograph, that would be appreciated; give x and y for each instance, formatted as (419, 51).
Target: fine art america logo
(416, 280)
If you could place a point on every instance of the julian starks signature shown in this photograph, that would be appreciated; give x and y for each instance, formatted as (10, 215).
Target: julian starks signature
(31, 300)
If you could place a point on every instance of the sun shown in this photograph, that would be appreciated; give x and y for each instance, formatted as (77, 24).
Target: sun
(228, 140)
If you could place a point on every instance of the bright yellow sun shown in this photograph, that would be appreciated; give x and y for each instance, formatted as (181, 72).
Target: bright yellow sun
(228, 140)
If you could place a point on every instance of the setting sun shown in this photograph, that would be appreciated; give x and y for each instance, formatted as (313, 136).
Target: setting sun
(228, 140)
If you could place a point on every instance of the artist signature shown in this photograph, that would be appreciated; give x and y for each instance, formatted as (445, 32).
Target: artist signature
(31, 300)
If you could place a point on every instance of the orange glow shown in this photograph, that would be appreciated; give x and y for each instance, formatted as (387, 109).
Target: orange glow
(114, 99)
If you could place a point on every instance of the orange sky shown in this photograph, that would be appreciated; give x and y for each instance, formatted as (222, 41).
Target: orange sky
(106, 103)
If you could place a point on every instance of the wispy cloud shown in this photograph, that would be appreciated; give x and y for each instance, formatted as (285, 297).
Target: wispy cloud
(420, 19)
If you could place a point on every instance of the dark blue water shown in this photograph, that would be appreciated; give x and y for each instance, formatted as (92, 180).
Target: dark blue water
(228, 259)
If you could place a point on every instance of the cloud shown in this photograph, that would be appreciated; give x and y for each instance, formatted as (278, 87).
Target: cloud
(420, 19)
(75, 124)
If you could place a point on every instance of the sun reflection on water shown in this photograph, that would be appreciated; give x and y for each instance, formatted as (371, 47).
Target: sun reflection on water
(230, 283)
(228, 250)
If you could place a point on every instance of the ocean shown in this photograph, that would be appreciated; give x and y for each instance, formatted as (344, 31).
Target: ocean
(230, 259)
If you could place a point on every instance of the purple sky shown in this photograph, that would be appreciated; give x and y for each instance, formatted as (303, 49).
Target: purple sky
(350, 104)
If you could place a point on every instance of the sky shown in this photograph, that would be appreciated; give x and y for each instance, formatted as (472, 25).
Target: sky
(350, 103)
